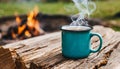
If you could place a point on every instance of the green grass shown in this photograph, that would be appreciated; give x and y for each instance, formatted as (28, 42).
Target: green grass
(116, 28)
(107, 9)
(104, 8)
(7, 9)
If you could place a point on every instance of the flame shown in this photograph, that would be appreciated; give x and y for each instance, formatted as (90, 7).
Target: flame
(21, 28)
(27, 33)
(31, 21)
(31, 27)
(18, 20)
(13, 35)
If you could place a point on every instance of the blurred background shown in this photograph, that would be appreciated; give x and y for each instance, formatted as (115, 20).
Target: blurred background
(108, 10)
(55, 13)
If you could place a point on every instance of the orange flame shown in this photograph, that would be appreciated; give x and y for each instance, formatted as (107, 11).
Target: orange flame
(21, 28)
(32, 25)
(31, 21)
(27, 33)
(13, 35)
(18, 20)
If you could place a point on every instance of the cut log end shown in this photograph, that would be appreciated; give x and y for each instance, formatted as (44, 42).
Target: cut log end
(6, 61)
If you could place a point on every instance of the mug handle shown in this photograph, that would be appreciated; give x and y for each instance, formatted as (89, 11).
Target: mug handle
(101, 41)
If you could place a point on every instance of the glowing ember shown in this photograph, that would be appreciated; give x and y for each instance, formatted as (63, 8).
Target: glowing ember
(27, 33)
(13, 35)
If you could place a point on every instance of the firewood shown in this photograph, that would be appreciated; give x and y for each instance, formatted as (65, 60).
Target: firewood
(6, 61)
(44, 52)
(0, 34)
(38, 44)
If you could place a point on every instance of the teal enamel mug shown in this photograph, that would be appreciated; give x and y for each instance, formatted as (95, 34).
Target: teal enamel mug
(76, 41)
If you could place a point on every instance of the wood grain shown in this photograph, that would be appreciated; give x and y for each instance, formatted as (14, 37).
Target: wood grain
(44, 52)
(6, 61)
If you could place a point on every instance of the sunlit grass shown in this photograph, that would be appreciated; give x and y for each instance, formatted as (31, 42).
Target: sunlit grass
(7, 9)
(104, 8)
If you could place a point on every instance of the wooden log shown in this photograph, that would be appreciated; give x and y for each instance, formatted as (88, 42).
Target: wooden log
(44, 52)
(36, 47)
(10, 59)
(114, 60)
(6, 61)
(54, 63)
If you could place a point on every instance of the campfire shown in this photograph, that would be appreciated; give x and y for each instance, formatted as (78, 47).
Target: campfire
(19, 27)
(26, 29)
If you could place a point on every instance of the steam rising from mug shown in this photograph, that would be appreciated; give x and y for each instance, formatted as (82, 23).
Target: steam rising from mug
(85, 8)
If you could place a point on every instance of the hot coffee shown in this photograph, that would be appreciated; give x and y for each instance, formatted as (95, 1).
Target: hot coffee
(76, 41)
(75, 28)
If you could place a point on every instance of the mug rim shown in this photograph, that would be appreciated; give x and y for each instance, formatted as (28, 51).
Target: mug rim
(76, 30)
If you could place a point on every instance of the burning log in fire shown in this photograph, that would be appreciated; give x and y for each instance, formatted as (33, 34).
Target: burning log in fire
(26, 29)
(0, 34)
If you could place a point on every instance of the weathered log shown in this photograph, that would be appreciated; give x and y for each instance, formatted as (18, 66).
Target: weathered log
(114, 60)
(44, 52)
(6, 61)
(28, 49)
(10, 59)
